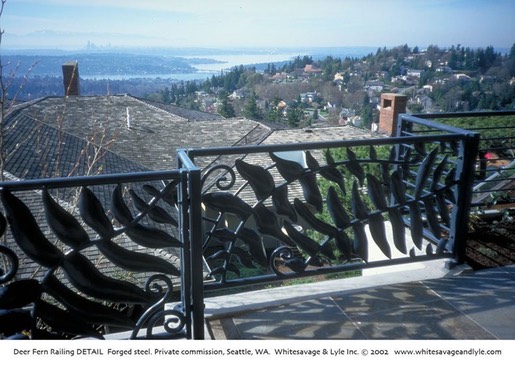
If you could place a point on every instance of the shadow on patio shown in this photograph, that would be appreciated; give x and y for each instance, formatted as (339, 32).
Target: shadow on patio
(470, 305)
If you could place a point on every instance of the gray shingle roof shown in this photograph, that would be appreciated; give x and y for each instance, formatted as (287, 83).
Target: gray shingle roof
(81, 135)
(37, 149)
(154, 134)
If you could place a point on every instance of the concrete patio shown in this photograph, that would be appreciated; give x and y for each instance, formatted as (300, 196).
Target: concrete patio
(426, 302)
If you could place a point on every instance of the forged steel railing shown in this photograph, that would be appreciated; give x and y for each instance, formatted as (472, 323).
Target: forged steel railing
(138, 251)
(288, 211)
(491, 171)
(92, 256)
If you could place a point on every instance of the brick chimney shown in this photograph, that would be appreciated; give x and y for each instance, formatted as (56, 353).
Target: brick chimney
(71, 78)
(391, 106)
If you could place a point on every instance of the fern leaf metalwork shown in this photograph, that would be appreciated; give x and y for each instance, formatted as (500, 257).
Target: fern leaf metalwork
(63, 242)
(301, 205)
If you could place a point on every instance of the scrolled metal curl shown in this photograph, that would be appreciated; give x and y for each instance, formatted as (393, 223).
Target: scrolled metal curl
(173, 324)
(154, 312)
(294, 262)
(13, 264)
(151, 285)
(220, 180)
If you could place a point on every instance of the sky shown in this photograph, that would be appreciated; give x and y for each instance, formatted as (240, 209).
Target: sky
(71, 24)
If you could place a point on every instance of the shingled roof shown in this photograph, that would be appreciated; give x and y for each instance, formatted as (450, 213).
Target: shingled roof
(133, 129)
(88, 135)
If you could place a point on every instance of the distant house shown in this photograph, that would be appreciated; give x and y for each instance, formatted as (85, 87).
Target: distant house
(310, 69)
(417, 73)
(444, 69)
(425, 101)
(201, 94)
(346, 115)
(462, 77)
(427, 88)
(238, 94)
(338, 80)
(374, 85)
(308, 97)
(279, 77)
(282, 105)
(338, 77)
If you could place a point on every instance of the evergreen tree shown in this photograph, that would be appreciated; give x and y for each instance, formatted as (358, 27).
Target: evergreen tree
(226, 109)
(366, 112)
(294, 116)
(251, 109)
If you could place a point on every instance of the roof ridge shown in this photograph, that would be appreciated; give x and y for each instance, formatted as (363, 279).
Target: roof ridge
(22, 105)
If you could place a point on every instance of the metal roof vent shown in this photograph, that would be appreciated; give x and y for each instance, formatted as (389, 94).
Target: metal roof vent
(128, 119)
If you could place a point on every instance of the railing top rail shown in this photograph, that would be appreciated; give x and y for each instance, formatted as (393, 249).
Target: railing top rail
(103, 179)
(424, 120)
(465, 114)
(253, 149)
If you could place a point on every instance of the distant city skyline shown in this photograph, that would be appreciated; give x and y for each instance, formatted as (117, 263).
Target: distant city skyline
(71, 24)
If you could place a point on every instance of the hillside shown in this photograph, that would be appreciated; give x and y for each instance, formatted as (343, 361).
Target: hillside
(301, 91)
(305, 91)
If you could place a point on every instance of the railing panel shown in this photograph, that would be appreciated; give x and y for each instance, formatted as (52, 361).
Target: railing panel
(494, 176)
(91, 256)
(288, 211)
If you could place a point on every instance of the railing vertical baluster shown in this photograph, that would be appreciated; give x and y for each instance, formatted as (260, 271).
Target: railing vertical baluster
(401, 125)
(192, 266)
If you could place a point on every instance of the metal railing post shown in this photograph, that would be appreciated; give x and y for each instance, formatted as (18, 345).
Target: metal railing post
(196, 265)
(467, 154)
(195, 270)
(186, 250)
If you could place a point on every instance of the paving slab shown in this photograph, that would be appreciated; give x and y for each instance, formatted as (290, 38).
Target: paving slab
(486, 297)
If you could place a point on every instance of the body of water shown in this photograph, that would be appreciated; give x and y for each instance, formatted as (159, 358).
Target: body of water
(206, 70)
(200, 75)
(226, 61)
